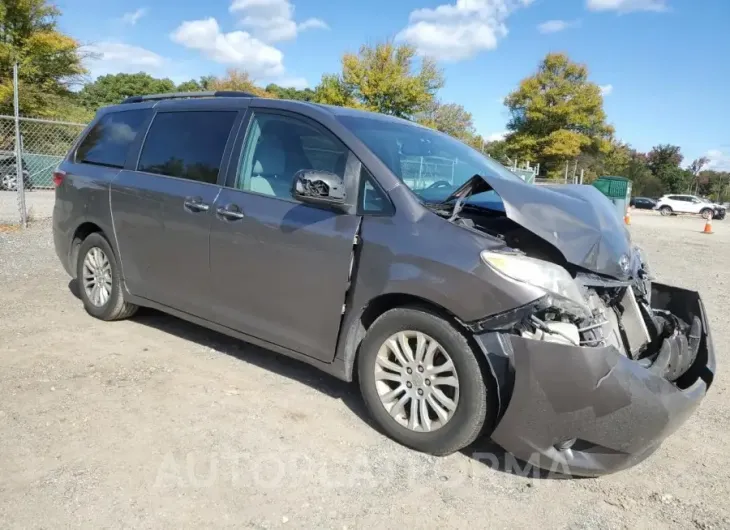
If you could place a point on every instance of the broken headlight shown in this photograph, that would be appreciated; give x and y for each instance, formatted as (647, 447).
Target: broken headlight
(552, 278)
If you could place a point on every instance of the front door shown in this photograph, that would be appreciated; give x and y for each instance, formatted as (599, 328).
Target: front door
(280, 268)
(163, 211)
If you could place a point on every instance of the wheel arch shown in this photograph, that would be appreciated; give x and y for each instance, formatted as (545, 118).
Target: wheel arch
(84, 230)
(357, 325)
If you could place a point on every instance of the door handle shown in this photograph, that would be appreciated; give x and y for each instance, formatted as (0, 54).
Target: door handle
(195, 204)
(231, 212)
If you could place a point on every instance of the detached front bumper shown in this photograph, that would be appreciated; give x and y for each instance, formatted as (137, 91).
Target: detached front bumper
(617, 412)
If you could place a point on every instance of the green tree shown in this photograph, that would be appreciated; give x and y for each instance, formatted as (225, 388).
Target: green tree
(332, 91)
(383, 78)
(696, 168)
(49, 62)
(497, 149)
(556, 115)
(113, 89)
(614, 161)
(449, 118)
(664, 162)
(645, 183)
(189, 86)
(280, 92)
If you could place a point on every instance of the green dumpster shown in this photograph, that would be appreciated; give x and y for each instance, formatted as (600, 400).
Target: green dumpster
(618, 190)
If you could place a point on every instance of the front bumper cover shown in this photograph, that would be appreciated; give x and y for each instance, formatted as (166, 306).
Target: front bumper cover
(617, 411)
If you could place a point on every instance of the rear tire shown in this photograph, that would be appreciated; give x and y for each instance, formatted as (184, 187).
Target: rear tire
(99, 280)
(665, 210)
(451, 408)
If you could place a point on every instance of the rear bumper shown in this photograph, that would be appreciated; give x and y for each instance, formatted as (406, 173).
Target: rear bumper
(617, 411)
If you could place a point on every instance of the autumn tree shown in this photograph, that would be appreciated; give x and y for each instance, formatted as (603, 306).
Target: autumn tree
(383, 78)
(49, 62)
(113, 89)
(556, 115)
(449, 118)
(237, 80)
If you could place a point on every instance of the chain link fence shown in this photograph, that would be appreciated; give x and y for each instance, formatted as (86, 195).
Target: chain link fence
(43, 144)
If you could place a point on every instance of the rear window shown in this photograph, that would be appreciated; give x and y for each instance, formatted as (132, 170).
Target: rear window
(108, 142)
(187, 145)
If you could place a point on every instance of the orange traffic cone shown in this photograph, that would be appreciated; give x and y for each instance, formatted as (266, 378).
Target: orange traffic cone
(627, 217)
(708, 226)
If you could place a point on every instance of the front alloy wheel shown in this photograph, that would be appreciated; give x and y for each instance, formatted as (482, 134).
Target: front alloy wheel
(416, 381)
(422, 382)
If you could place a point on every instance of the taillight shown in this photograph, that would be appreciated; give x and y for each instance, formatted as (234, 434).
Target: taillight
(58, 177)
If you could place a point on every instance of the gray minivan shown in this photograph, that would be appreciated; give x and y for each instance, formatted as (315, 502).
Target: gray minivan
(464, 301)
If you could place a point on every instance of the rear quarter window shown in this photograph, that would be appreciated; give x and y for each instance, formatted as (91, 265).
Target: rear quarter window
(108, 142)
(187, 144)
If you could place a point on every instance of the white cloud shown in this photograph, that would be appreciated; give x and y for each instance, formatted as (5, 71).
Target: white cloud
(299, 83)
(272, 20)
(313, 23)
(117, 57)
(606, 90)
(718, 160)
(452, 32)
(497, 136)
(626, 6)
(555, 26)
(133, 17)
(237, 48)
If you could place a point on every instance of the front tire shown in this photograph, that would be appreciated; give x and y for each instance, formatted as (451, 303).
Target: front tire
(665, 210)
(422, 383)
(99, 280)
(706, 213)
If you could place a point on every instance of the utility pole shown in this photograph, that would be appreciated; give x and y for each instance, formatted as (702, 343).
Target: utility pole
(18, 152)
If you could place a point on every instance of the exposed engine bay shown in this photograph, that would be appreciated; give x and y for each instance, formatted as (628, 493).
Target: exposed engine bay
(623, 318)
(621, 312)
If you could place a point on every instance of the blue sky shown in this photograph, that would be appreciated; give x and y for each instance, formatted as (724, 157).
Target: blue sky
(664, 64)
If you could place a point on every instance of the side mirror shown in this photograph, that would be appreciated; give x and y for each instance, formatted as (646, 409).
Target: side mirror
(322, 188)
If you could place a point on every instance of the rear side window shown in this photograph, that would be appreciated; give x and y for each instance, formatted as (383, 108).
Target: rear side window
(187, 145)
(108, 142)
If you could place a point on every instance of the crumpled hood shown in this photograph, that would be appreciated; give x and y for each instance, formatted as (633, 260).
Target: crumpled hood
(577, 219)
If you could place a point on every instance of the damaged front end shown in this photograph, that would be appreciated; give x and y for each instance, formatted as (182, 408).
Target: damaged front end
(592, 382)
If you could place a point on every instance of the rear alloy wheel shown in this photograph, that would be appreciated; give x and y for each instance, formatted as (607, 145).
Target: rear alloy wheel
(706, 213)
(422, 383)
(665, 210)
(99, 280)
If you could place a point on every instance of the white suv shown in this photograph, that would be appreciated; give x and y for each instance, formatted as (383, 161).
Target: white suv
(670, 204)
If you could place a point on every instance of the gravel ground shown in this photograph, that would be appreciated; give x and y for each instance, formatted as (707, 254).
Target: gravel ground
(156, 423)
(38, 204)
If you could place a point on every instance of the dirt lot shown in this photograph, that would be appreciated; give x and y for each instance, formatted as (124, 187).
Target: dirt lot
(38, 204)
(156, 423)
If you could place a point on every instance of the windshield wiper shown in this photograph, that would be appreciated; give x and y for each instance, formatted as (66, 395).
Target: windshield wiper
(457, 208)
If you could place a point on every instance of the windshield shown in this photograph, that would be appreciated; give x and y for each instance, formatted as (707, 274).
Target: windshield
(431, 164)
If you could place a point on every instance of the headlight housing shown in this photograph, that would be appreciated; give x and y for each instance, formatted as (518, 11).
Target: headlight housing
(552, 278)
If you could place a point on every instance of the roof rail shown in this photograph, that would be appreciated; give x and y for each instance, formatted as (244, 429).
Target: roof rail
(183, 95)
